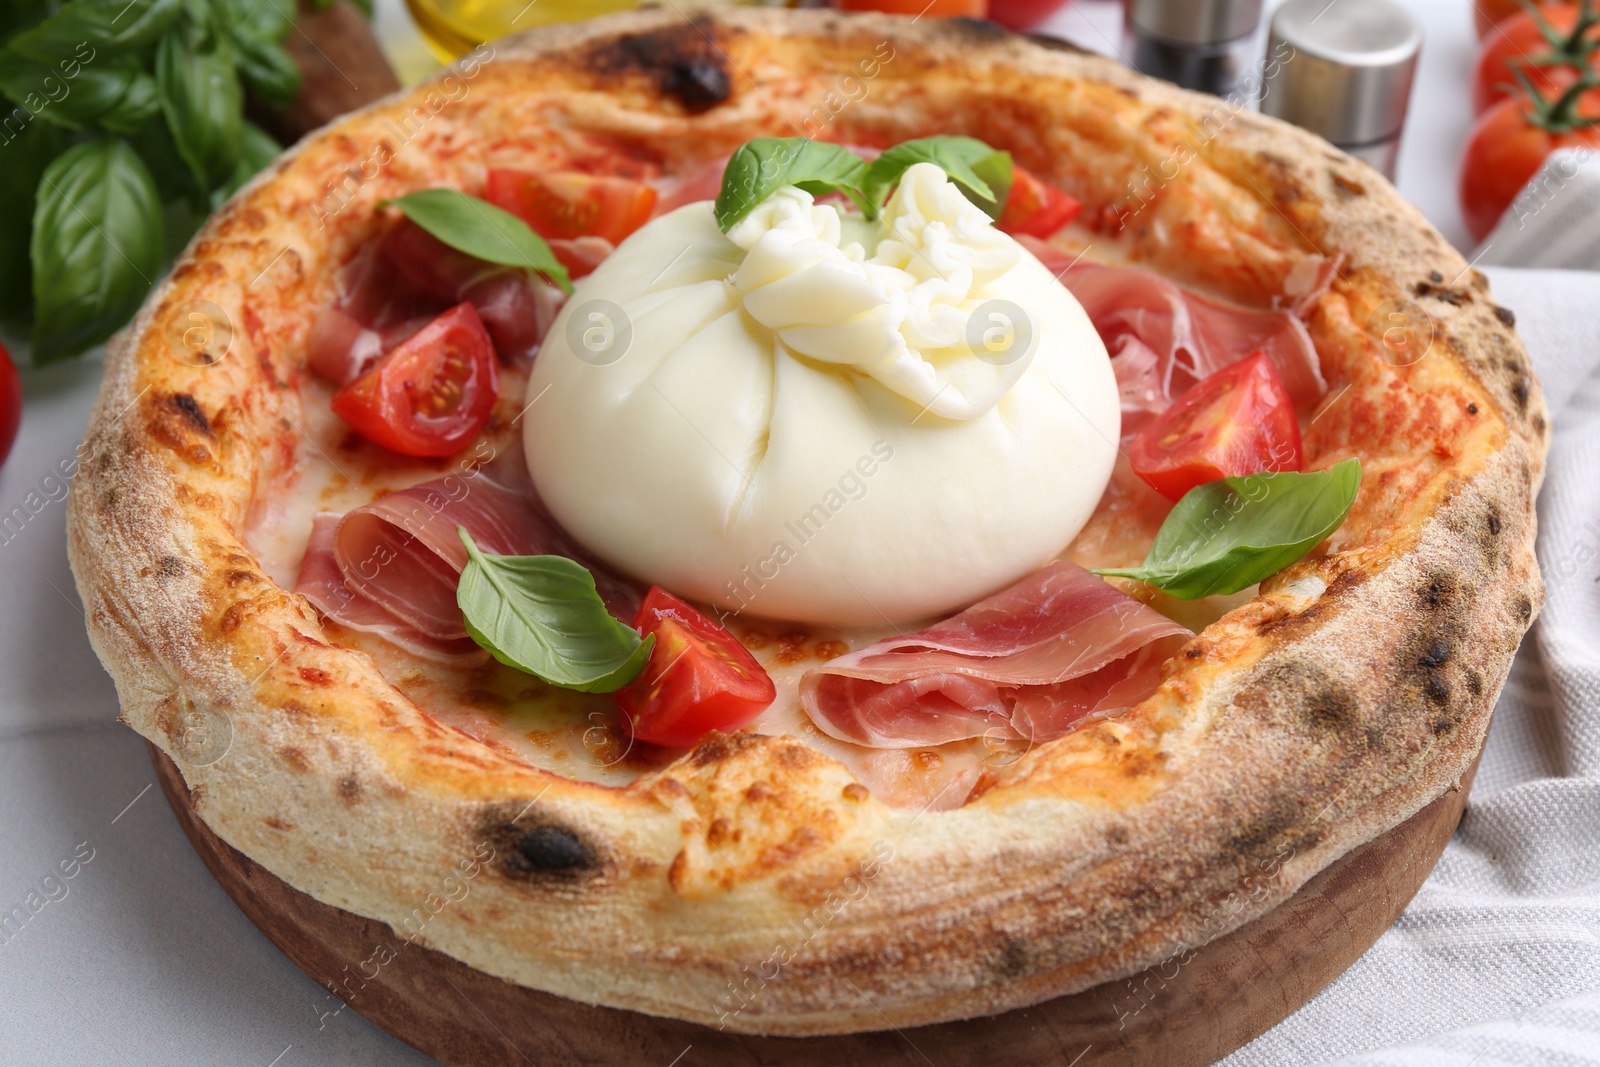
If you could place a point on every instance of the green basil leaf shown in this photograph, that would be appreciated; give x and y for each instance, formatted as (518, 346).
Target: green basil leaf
(96, 246)
(106, 26)
(257, 150)
(763, 166)
(481, 230)
(541, 615)
(29, 146)
(982, 173)
(116, 96)
(267, 70)
(204, 107)
(1227, 535)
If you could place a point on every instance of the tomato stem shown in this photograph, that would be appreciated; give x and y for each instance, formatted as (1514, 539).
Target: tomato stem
(1560, 115)
(1570, 49)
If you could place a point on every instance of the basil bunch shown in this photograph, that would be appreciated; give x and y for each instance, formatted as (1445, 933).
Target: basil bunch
(763, 166)
(125, 127)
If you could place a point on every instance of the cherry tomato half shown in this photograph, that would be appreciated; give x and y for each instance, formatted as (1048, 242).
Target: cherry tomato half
(699, 678)
(1035, 208)
(567, 204)
(10, 403)
(1239, 420)
(432, 394)
(1519, 44)
(1509, 145)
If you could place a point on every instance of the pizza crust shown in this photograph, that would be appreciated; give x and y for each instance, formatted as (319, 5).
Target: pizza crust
(753, 884)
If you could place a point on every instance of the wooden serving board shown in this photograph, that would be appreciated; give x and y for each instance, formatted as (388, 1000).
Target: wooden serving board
(1227, 993)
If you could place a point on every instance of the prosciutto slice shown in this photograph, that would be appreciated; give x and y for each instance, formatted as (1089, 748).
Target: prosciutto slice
(390, 567)
(1027, 663)
(1164, 338)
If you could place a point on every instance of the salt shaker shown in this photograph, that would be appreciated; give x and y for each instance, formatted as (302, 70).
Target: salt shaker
(1198, 44)
(1344, 70)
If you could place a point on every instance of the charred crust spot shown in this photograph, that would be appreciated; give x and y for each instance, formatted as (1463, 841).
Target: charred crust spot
(349, 789)
(1014, 958)
(1538, 424)
(1472, 409)
(1117, 835)
(1525, 609)
(169, 567)
(1283, 826)
(185, 405)
(1435, 277)
(532, 848)
(1292, 692)
(1506, 315)
(684, 61)
(1519, 393)
(1348, 186)
(238, 578)
(1493, 520)
(1332, 707)
(1438, 591)
(1475, 683)
(1437, 654)
(977, 29)
(1440, 292)
(1437, 690)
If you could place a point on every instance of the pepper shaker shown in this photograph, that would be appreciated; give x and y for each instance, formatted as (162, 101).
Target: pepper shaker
(1198, 44)
(1344, 71)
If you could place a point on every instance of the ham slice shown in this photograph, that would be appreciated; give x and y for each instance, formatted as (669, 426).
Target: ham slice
(399, 282)
(1164, 338)
(390, 567)
(1028, 663)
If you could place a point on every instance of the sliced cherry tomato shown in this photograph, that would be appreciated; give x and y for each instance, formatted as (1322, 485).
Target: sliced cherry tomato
(699, 678)
(432, 394)
(970, 8)
(10, 403)
(1238, 421)
(1035, 208)
(566, 204)
(1510, 144)
(1552, 47)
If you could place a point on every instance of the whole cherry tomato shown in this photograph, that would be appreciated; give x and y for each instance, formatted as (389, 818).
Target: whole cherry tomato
(10, 403)
(1511, 142)
(1552, 48)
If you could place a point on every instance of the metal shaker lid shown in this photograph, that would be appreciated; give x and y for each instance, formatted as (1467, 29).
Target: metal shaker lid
(1195, 21)
(1348, 77)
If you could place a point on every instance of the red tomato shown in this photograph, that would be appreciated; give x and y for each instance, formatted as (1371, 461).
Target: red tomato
(566, 204)
(1238, 421)
(432, 394)
(1510, 143)
(10, 403)
(1519, 41)
(1035, 208)
(1023, 15)
(1487, 14)
(699, 678)
(970, 8)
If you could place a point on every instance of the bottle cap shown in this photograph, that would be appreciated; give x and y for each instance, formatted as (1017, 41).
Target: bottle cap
(1195, 22)
(1349, 75)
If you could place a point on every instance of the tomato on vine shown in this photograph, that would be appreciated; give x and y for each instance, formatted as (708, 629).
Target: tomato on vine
(1553, 46)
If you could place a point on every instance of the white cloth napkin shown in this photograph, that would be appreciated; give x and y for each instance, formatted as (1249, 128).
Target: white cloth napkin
(1497, 960)
(1555, 220)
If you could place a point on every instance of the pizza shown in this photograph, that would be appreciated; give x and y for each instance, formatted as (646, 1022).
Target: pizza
(981, 523)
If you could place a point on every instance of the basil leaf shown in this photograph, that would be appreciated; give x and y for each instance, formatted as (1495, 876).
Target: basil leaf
(96, 246)
(1230, 534)
(256, 28)
(74, 95)
(257, 149)
(107, 26)
(763, 166)
(26, 156)
(982, 173)
(481, 230)
(204, 107)
(541, 615)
